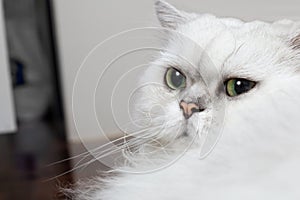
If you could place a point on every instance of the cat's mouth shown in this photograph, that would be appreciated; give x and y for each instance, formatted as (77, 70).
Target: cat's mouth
(184, 134)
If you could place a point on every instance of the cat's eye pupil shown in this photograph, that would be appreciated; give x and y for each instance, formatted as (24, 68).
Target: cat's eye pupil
(175, 79)
(242, 87)
(235, 87)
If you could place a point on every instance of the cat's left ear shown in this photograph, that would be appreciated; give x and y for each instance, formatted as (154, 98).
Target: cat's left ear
(289, 30)
(169, 16)
(295, 42)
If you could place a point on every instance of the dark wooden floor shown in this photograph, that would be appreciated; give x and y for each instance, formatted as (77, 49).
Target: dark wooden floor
(24, 157)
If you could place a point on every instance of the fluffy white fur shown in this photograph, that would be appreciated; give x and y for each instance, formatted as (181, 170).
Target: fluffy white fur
(258, 154)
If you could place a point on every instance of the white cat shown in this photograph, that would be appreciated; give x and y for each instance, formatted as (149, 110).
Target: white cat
(218, 75)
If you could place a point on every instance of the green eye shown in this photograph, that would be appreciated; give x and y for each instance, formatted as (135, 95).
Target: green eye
(237, 86)
(175, 79)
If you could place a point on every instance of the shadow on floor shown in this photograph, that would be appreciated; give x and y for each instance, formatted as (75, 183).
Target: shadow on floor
(24, 157)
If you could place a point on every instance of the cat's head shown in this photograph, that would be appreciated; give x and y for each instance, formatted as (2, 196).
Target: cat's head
(220, 74)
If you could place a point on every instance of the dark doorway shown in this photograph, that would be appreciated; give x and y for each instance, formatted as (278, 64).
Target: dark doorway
(41, 137)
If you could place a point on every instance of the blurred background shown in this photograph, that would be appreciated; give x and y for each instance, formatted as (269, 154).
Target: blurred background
(42, 46)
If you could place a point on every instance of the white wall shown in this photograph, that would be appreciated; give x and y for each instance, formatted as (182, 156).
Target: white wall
(7, 117)
(82, 24)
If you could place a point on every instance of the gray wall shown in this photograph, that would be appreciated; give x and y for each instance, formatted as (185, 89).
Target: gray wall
(7, 117)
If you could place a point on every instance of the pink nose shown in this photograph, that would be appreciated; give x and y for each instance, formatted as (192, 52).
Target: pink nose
(189, 109)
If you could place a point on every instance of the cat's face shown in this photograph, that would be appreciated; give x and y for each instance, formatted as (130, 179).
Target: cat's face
(239, 79)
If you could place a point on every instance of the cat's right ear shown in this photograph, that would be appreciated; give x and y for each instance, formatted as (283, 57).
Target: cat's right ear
(169, 16)
(295, 42)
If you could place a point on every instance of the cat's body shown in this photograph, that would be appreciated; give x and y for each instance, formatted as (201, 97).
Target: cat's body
(258, 153)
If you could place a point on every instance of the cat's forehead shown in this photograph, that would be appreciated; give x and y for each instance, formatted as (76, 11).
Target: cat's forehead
(232, 46)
